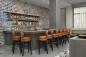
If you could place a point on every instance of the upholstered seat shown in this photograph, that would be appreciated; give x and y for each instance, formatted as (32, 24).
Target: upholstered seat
(15, 41)
(50, 37)
(55, 35)
(42, 38)
(25, 39)
(59, 34)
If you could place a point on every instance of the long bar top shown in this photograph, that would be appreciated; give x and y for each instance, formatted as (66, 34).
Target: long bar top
(36, 31)
(33, 34)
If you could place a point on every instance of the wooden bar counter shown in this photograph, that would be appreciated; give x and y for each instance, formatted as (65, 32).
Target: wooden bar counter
(33, 34)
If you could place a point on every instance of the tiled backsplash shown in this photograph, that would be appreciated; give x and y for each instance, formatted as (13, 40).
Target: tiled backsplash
(21, 7)
(17, 6)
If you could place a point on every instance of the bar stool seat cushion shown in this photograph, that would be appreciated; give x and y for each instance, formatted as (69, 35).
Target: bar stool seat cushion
(25, 39)
(42, 38)
(55, 35)
(63, 33)
(50, 37)
(60, 34)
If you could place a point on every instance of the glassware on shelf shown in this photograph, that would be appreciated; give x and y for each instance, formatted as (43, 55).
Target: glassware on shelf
(17, 17)
(35, 18)
(11, 16)
(32, 28)
(19, 23)
(26, 18)
(29, 24)
(14, 16)
(24, 22)
(22, 17)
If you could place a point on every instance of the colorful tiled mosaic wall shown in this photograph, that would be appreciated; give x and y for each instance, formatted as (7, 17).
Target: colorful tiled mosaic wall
(20, 7)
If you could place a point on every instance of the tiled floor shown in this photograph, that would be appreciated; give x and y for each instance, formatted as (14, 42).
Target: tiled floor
(6, 52)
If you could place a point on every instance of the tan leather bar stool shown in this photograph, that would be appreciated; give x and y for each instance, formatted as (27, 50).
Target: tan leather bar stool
(69, 34)
(15, 41)
(25, 42)
(55, 38)
(60, 35)
(42, 43)
(55, 35)
(50, 38)
(65, 35)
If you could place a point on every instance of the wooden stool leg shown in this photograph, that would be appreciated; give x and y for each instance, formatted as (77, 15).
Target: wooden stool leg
(38, 47)
(22, 48)
(13, 47)
(30, 48)
(59, 41)
(46, 47)
(56, 42)
(62, 41)
(50, 43)
(65, 39)
(68, 38)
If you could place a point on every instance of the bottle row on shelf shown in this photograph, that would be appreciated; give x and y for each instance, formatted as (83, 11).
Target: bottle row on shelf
(25, 23)
(17, 16)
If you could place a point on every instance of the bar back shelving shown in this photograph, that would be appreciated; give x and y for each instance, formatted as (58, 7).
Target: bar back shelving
(23, 22)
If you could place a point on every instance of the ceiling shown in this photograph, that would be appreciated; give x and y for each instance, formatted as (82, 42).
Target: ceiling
(76, 1)
(45, 3)
(42, 3)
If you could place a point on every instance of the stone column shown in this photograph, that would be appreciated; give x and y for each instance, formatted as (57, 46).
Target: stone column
(55, 21)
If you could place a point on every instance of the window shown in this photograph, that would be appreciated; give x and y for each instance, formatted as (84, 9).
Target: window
(80, 18)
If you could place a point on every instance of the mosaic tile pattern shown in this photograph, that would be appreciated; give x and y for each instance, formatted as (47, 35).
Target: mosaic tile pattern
(20, 7)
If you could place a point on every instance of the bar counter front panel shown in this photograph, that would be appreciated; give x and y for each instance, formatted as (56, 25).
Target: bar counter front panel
(33, 34)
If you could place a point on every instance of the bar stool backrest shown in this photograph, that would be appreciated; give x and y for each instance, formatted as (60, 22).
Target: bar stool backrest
(15, 33)
(58, 31)
(69, 31)
(46, 33)
(24, 34)
(50, 32)
(54, 31)
(15, 36)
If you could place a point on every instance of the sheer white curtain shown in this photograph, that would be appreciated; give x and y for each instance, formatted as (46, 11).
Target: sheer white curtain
(80, 18)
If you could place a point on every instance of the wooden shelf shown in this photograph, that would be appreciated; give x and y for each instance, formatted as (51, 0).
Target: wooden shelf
(21, 14)
(30, 21)
(24, 20)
